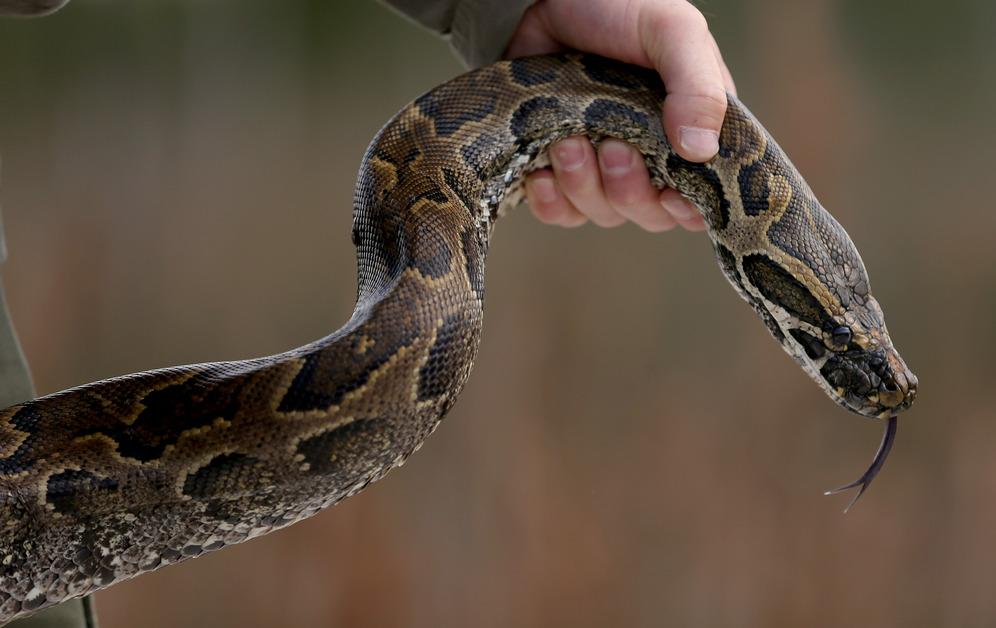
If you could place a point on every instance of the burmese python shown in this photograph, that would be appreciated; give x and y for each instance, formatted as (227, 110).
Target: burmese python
(112, 479)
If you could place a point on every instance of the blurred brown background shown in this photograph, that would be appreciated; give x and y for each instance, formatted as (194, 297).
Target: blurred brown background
(632, 449)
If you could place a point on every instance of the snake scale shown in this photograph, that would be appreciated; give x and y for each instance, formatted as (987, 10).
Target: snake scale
(119, 477)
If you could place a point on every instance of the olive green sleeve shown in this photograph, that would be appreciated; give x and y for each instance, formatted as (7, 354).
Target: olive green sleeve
(77, 613)
(15, 380)
(16, 387)
(478, 30)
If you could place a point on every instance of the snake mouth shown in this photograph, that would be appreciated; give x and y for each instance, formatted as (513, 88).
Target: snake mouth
(877, 405)
(875, 385)
(888, 401)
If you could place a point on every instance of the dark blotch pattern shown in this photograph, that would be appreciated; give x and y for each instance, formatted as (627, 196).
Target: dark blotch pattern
(753, 181)
(66, 490)
(173, 410)
(611, 114)
(431, 254)
(535, 116)
(224, 475)
(380, 154)
(740, 137)
(26, 419)
(333, 450)
(413, 153)
(329, 375)
(781, 288)
(475, 105)
(443, 363)
(530, 72)
(609, 72)
(165, 414)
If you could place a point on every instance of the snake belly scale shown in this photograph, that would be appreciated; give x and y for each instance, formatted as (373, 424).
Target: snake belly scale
(119, 477)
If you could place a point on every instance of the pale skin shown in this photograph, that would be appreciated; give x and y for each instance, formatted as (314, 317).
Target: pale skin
(611, 186)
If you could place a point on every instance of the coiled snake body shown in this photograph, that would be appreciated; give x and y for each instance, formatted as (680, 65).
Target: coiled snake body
(109, 480)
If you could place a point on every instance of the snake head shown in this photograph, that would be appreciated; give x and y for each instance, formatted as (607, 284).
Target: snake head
(872, 381)
(852, 357)
(810, 286)
(833, 327)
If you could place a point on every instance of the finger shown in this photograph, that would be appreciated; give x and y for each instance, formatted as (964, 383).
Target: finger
(576, 168)
(628, 189)
(681, 210)
(532, 37)
(677, 41)
(548, 204)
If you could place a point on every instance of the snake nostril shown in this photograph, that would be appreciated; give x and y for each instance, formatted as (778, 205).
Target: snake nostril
(889, 395)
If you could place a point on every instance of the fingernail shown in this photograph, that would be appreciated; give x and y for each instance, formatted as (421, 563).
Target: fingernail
(679, 208)
(615, 157)
(569, 154)
(698, 144)
(543, 189)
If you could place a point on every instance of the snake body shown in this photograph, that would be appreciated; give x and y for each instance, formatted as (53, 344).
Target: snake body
(119, 477)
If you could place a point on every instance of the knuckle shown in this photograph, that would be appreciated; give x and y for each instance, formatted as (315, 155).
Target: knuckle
(704, 104)
(681, 13)
(582, 186)
(707, 95)
(695, 18)
(714, 94)
(625, 198)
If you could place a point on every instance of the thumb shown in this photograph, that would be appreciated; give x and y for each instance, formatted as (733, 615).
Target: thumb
(677, 41)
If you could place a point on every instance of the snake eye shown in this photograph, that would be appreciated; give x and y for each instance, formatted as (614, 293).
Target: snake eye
(841, 335)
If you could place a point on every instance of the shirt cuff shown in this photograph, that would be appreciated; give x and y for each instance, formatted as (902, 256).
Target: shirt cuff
(481, 29)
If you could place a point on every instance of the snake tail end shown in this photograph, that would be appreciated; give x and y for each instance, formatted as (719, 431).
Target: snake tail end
(879, 461)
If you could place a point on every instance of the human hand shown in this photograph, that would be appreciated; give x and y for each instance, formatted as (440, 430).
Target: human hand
(614, 186)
